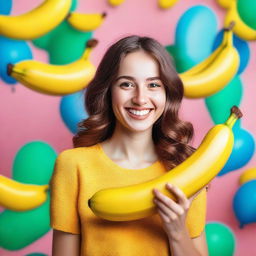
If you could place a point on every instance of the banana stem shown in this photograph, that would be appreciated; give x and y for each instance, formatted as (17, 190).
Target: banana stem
(235, 115)
(89, 46)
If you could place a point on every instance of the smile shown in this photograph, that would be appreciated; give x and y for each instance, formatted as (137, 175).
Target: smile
(138, 114)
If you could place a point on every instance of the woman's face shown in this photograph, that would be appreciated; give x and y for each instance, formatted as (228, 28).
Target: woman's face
(138, 95)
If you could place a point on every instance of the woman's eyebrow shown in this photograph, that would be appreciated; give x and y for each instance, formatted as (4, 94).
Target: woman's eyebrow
(133, 79)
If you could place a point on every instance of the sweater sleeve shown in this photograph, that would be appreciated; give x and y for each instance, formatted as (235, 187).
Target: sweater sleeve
(196, 216)
(64, 195)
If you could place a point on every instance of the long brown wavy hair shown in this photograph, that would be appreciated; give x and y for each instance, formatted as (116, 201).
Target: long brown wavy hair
(170, 134)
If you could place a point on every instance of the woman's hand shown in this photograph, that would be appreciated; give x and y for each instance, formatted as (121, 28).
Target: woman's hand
(173, 214)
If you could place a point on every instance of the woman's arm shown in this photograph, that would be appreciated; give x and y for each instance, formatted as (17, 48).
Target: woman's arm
(65, 244)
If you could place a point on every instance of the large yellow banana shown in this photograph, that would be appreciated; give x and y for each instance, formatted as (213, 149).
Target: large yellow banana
(240, 29)
(167, 3)
(136, 201)
(208, 61)
(37, 22)
(85, 22)
(18, 196)
(55, 79)
(216, 75)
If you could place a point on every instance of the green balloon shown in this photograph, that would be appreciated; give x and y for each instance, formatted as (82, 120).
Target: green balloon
(36, 254)
(182, 62)
(247, 11)
(67, 44)
(220, 103)
(220, 239)
(20, 229)
(34, 163)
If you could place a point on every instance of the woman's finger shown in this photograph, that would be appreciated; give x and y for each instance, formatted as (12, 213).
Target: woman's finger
(169, 214)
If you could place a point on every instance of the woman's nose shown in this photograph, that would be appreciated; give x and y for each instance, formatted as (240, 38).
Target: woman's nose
(140, 97)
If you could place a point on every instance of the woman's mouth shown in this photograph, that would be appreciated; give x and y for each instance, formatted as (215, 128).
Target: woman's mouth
(138, 114)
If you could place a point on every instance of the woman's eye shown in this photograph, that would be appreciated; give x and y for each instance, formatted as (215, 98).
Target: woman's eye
(154, 85)
(126, 84)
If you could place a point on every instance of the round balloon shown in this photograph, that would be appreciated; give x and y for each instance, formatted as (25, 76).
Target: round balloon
(12, 51)
(20, 229)
(244, 203)
(34, 163)
(72, 110)
(195, 32)
(246, 10)
(241, 46)
(242, 152)
(5, 7)
(220, 239)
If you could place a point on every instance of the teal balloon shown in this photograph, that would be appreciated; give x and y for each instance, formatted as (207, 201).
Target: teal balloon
(36, 254)
(220, 239)
(196, 31)
(220, 103)
(247, 10)
(181, 60)
(242, 152)
(20, 229)
(34, 163)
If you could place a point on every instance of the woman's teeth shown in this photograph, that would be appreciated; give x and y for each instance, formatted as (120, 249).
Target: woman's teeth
(139, 113)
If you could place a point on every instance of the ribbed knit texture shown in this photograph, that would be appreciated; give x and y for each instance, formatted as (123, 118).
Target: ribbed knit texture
(78, 174)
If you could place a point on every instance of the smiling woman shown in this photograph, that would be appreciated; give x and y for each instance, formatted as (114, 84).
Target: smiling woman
(133, 134)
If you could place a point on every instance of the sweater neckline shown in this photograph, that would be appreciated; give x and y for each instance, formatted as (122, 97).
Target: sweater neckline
(113, 164)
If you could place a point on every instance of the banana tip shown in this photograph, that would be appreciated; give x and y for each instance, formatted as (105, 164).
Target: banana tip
(92, 43)
(89, 203)
(236, 111)
(9, 69)
(104, 14)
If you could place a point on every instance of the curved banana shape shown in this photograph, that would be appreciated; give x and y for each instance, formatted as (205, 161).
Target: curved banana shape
(247, 175)
(18, 196)
(225, 3)
(85, 22)
(37, 22)
(165, 4)
(55, 79)
(241, 29)
(214, 73)
(136, 201)
(115, 2)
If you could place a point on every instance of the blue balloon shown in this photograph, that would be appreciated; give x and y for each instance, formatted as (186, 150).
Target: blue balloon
(244, 203)
(72, 110)
(243, 150)
(5, 6)
(196, 31)
(12, 51)
(241, 46)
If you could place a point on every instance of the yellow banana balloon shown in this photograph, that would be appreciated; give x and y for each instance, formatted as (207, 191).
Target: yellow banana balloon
(241, 29)
(37, 22)
(165, 4)
(85, 22)
(214, 73)
(225, 3)
(136, 201)
(115, 2)
(18, 196)
(55, 79)
(247, 175)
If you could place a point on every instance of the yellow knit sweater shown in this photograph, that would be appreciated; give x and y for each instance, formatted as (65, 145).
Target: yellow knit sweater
(78, 174)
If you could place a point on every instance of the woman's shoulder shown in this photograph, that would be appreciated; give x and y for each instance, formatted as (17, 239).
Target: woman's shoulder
(75, 153)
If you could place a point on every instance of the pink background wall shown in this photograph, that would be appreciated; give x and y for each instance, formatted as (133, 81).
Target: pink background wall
(27, 115)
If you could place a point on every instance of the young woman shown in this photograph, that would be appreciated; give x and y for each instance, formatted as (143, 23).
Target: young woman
(133, 134)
